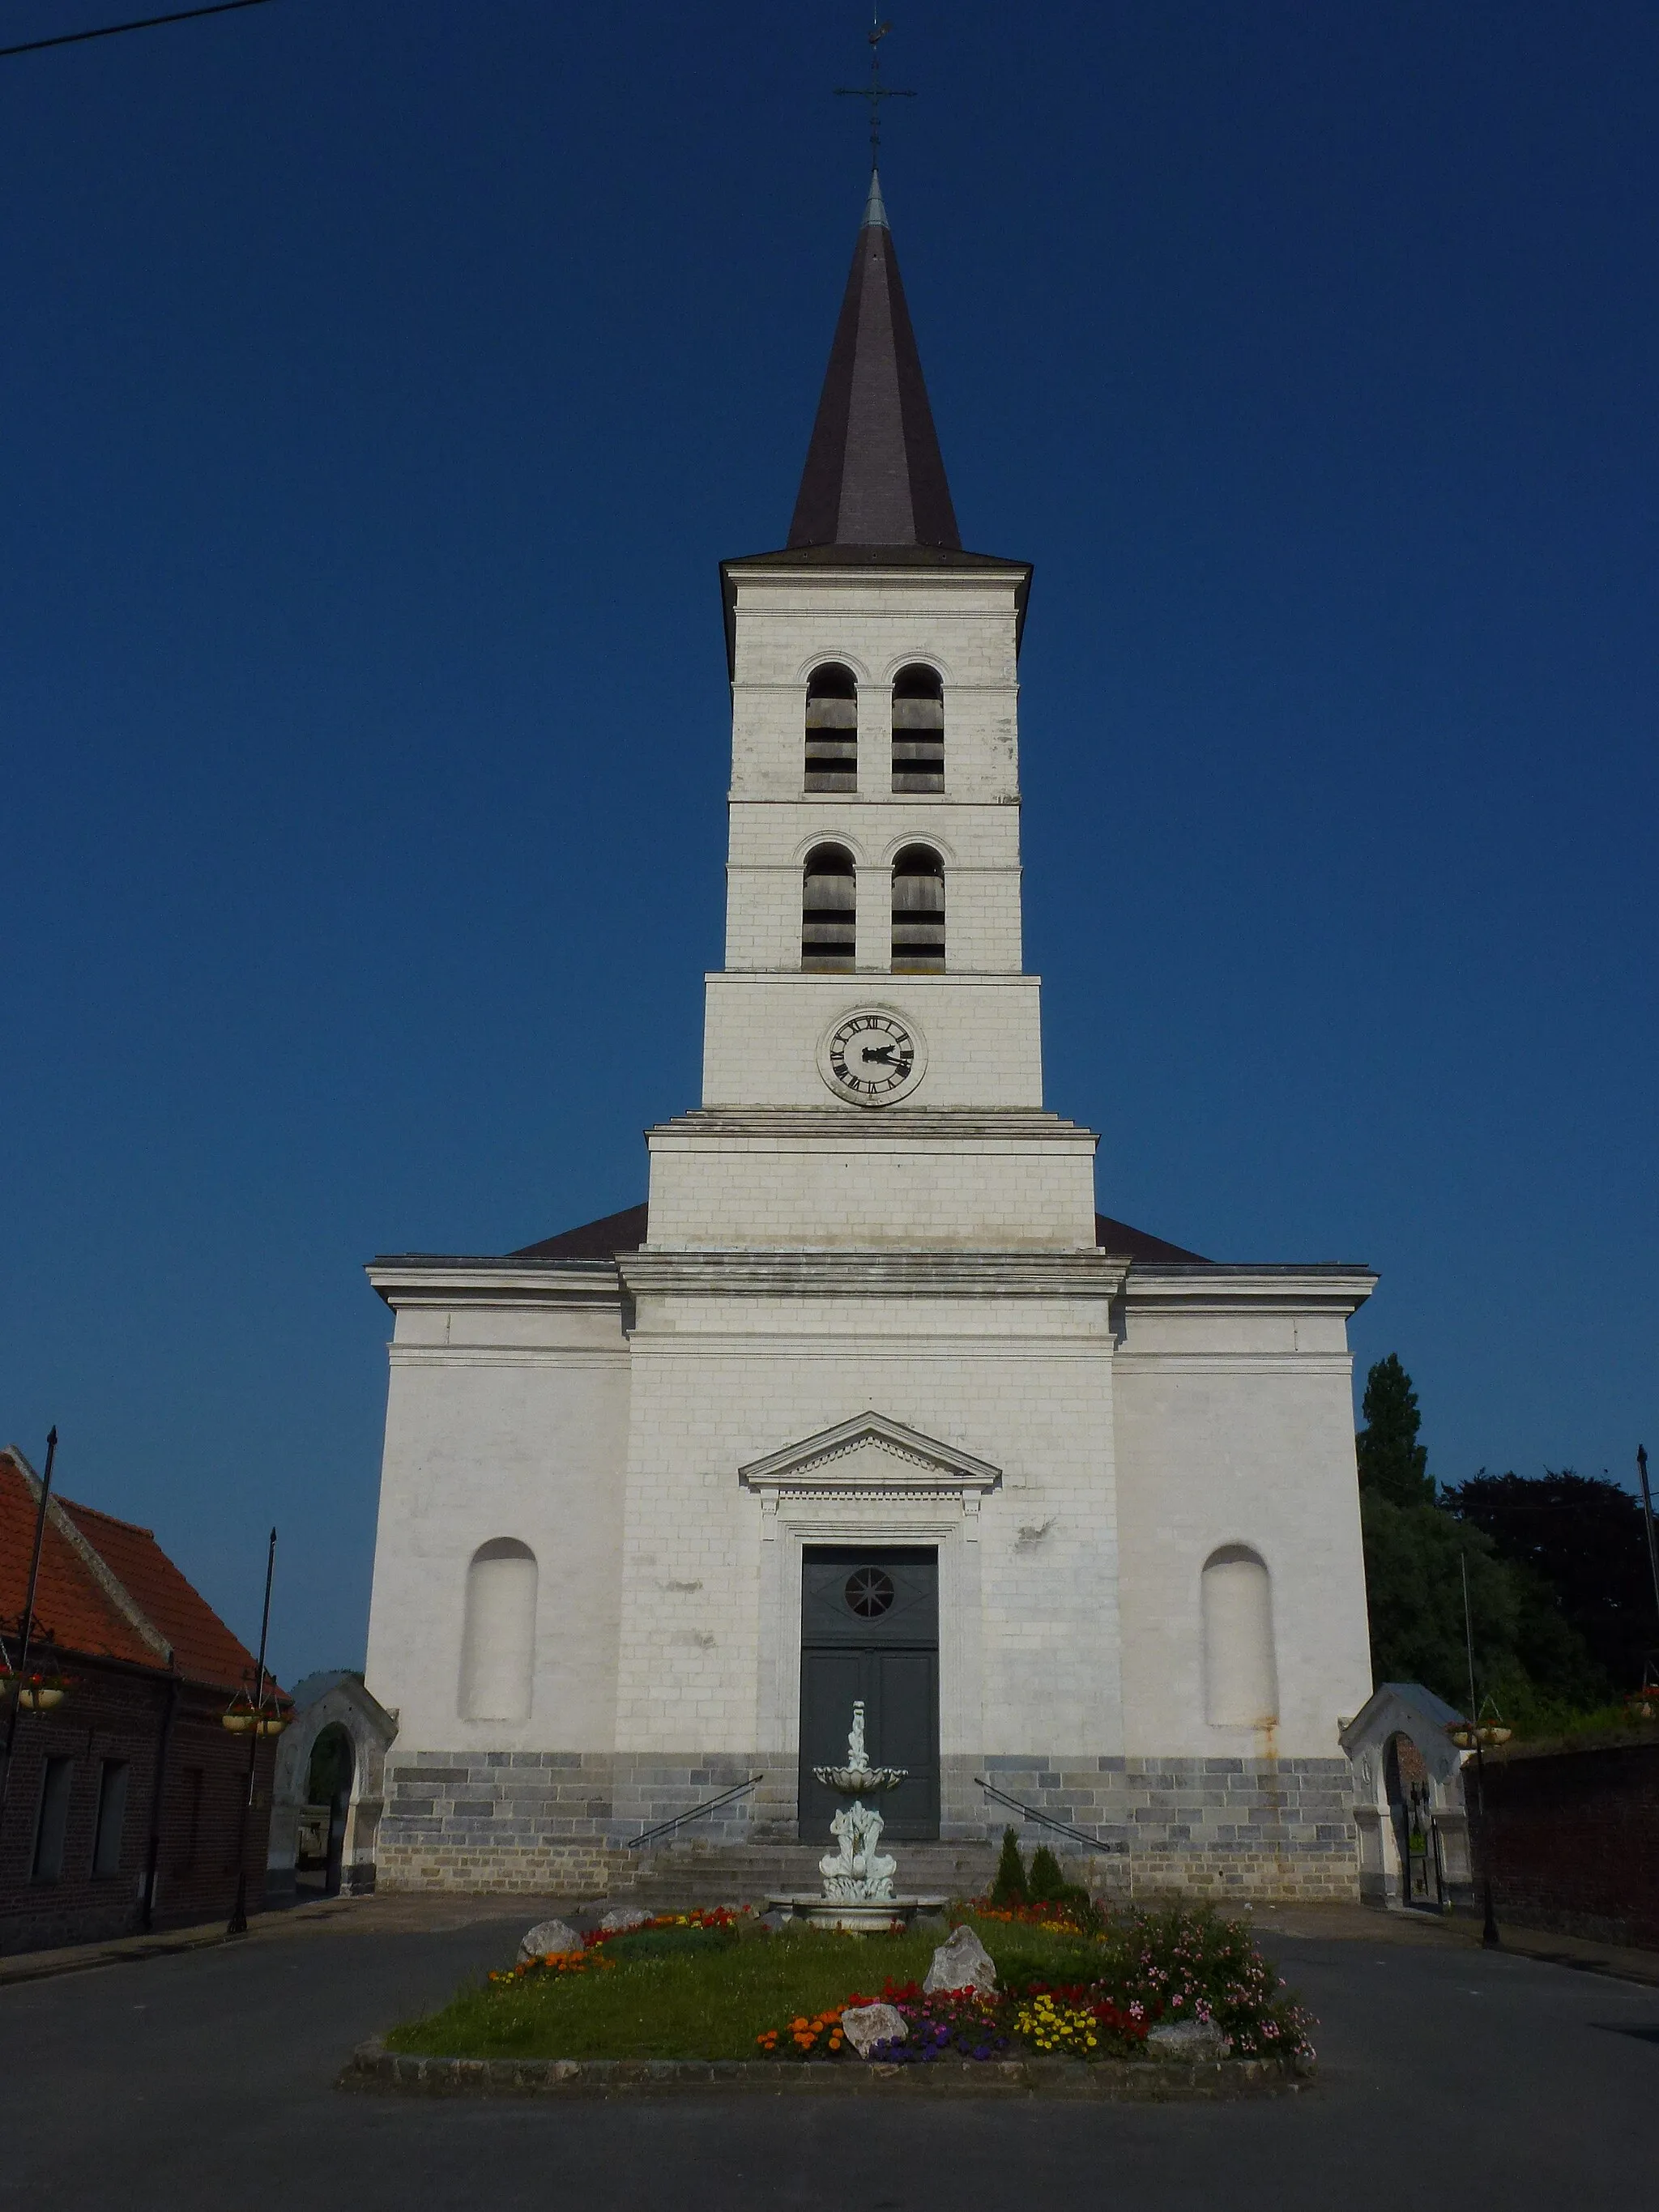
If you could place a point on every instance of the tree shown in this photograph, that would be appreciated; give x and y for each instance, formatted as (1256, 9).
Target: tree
(1530, 1655)
(1582, 1535)
(1392, 1463)
(1527, 1657)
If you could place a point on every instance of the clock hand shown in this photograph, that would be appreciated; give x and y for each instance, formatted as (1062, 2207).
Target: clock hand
(882, 1052)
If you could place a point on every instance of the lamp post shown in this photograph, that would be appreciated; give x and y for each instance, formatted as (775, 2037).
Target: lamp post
(238, 1922)
(27, 1630)
(1490, 1937)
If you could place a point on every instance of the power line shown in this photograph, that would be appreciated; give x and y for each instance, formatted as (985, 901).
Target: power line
(144, 23)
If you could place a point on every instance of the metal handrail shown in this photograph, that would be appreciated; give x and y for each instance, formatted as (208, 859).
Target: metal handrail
(695, 1813)
(1046, 1820)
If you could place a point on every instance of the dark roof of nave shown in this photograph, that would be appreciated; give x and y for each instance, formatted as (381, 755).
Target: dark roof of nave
(595, 1240)
(627, 1230)
(874, 474)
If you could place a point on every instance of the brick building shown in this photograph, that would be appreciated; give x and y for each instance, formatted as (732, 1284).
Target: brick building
(125, 1806)
(869, 1400)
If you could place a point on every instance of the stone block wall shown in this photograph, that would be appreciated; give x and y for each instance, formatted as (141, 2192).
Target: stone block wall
(1217, 1829)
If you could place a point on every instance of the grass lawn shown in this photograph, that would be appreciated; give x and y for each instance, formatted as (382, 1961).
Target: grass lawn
(709, 1999)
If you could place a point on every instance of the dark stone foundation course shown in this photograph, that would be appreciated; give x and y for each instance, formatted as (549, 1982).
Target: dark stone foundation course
(373, 2067)
(554, 1822)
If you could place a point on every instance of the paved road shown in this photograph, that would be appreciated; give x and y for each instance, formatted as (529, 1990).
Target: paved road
(204, 2080)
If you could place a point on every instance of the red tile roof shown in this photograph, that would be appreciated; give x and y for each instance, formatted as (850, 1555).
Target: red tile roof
(204, 1648)
(69, 1607)
(74, 1608)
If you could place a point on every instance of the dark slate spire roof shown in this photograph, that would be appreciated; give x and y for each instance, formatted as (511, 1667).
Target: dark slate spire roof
(874, 475)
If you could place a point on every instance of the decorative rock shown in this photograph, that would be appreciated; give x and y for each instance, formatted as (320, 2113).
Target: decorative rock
(774, 1920)
(961, 1963)
(865, 2025)
(1189, 2039)
(548, 1936)
(623, 1917)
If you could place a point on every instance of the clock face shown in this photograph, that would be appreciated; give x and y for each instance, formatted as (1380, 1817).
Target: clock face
(872, 1056)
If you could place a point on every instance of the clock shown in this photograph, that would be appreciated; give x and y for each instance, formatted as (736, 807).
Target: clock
(872, 1056)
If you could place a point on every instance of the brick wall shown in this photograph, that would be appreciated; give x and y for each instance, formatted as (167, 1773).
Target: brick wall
(1570, 1838)
(114, 1713)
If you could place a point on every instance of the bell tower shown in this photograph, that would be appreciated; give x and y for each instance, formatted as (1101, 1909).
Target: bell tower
(873, 1021)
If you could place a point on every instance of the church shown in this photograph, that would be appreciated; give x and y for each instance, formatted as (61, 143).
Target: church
(867, 1401)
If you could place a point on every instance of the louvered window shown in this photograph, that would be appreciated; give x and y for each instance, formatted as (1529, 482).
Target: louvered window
(918, 730)
(828, 911)
(832, 730)
(918, 911)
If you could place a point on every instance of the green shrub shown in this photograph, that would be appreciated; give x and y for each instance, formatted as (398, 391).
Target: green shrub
(1048, 1884)
(1009, 1885)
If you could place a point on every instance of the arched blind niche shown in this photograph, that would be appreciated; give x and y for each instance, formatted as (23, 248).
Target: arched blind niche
(498, 1638)
(918, 730)
(1240, 1680)
(828, 911)
(832, 729)
(918, 911)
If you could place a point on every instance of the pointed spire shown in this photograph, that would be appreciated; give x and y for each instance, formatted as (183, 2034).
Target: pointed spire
(874, 475)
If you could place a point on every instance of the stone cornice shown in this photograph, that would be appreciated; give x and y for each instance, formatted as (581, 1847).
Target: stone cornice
(1162, 1285)
(416, 1278)
(852, 1274)
(934, 1127)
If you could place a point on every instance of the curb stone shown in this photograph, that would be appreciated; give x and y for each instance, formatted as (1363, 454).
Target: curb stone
(373, 2069)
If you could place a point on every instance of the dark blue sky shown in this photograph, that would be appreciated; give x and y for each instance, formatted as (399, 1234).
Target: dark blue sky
(381, 381)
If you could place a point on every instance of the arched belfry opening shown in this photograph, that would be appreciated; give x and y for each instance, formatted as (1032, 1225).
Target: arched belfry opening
(832, 729)
(828, 911)
(918, 911)
(918, 730)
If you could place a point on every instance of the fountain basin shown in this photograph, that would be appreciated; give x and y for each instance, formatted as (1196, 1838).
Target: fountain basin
(855, 1781)
(856, 1916)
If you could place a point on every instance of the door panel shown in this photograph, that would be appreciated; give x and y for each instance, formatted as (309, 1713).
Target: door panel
(870, 1630)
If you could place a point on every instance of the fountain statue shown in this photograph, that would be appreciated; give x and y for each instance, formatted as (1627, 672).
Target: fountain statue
(858, 1890)
(855, 1871)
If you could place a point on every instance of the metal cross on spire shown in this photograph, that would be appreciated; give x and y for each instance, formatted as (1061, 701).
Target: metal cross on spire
(875, 92)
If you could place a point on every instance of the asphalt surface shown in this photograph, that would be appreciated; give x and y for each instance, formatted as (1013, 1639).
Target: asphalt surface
(206, 2079)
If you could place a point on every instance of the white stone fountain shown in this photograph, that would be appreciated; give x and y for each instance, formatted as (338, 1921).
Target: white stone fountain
(858, 1880)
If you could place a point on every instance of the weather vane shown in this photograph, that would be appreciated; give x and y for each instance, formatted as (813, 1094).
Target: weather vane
(875, 92)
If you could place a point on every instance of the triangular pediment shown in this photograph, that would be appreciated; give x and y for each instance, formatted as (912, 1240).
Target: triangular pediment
(870, 1452)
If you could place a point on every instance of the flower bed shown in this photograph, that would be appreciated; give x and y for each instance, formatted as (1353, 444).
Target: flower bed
(719, 1986)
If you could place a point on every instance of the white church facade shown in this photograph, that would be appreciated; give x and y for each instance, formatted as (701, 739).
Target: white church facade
(868, 1399)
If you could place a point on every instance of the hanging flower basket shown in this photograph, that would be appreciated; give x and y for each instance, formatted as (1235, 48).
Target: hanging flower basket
(37, 1694)
(1488, 1735)
(241, 1716)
